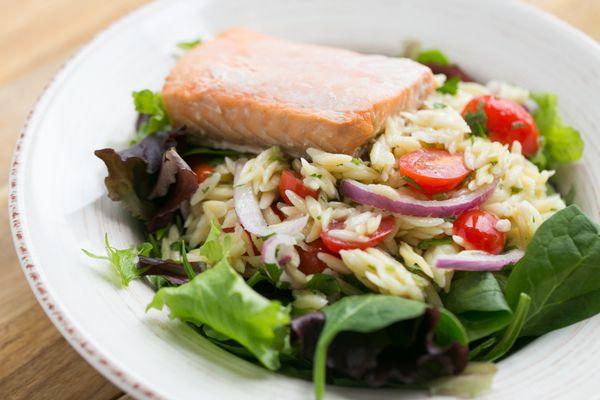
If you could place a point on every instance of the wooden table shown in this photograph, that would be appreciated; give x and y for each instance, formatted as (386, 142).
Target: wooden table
(36, 37)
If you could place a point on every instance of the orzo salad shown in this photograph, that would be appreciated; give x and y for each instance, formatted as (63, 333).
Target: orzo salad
(414, 258)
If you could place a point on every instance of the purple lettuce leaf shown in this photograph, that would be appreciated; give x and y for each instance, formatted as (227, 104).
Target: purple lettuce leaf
(450, 70)
(176, 183)
(168, 269)
(403, 353)
(150, 179)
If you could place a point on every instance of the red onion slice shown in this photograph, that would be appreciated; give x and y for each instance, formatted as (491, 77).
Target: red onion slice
(250, 215)
(279, 249)
(470, 260)
(407, 205)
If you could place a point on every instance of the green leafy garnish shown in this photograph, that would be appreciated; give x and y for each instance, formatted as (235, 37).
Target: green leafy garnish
(432, 56)
(150, 104)
(559, 272)
(477, 120)
(478, 302)
(221, 299)
(427, 243)
(189, 45)
(123, 261)
(450, 86)
(217, 246)
(562, 143)
(365, 313)
(412, 183)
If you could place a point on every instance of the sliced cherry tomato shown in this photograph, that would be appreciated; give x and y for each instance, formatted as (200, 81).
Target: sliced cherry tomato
(335, 245)
(309, 262)
(507, 122)
(433, 171)
(201, 168)
(290, 180)
(478, 230)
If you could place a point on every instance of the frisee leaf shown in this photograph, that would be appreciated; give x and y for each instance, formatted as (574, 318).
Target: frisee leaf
(562, 143)
(559, 272)
(432, 56)
(221, 299)
(123, 261)
(216, 246)
(450, 86)
(151, 105)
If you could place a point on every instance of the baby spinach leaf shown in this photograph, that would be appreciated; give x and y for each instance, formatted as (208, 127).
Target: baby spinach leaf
(560, 272)
(365, 313)
(482, 347)
(449, 329)
(427, 243)
(478, 302)
(221, 299)
(510, 335)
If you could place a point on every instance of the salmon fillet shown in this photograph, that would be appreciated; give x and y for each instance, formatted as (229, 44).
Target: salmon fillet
(249, 91)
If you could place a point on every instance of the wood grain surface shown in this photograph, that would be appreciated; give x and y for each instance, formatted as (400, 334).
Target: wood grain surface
(36, 37)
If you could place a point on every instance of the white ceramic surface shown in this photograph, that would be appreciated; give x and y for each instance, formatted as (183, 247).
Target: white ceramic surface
(58, 203)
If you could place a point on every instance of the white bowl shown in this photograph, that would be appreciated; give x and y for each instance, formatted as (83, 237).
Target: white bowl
(58, 203)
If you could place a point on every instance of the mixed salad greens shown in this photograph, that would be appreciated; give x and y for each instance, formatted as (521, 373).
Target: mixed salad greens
(365, 338)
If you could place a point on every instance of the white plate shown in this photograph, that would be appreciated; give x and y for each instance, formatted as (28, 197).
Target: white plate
(58, 203)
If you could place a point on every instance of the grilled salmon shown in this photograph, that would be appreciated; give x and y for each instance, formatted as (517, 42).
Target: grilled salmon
(249, 91)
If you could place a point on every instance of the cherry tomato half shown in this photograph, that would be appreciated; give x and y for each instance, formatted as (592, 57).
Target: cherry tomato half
(202, 169)
(507, 122)
(433, 171)
(309, 262)
(335, 245)
(290, 180)
(478, 230)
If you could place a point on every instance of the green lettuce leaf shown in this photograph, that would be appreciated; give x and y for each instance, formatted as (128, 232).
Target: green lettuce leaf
(560, 272)
(221, 299)
(561, 143)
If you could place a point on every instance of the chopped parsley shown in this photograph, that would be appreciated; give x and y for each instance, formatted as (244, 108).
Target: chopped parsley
(517, 125)
(439, 106)
(356, 161)
(412, 183)
(318, 176)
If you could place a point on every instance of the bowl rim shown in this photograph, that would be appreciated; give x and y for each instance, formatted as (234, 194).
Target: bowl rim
(81, 340)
